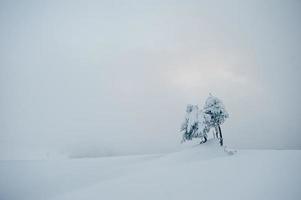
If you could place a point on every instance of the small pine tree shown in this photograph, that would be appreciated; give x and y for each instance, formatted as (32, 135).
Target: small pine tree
(203, 127)
(194, 125)
(189, 125)
(215, 114)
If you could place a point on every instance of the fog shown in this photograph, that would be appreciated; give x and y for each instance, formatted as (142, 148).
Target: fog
(94, 78)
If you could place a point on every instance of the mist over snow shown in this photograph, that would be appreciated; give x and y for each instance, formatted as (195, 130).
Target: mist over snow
(101, 78)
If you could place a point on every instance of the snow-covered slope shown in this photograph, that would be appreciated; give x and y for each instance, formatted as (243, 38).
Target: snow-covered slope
(199, 172)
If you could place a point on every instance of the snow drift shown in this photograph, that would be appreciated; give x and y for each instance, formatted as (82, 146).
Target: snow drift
(199, 172)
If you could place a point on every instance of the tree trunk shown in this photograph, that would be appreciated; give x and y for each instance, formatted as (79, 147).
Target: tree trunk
(216, 132)
(203, 141)
(220, 135)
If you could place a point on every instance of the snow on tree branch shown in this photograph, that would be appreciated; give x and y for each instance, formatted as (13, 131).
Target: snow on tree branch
(198, 123)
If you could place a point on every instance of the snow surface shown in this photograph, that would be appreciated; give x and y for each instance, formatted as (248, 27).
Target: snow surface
(199, 172)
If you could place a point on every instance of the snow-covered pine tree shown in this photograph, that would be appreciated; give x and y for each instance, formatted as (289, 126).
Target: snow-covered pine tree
(194, 125)
(202, 127)
(189, 125)
(215, 115)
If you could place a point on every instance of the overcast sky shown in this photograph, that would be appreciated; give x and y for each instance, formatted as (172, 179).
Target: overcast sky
(114, 77)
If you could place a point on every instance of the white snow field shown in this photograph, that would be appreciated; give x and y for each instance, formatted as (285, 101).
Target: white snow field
(199, 172)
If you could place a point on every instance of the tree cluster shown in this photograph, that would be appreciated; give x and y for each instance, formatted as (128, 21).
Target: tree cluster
(198, 122)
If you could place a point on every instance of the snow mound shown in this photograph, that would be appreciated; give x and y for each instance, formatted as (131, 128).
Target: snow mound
(197, 153)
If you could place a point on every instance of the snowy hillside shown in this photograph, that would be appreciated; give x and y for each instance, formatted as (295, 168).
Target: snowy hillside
(199, 172)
